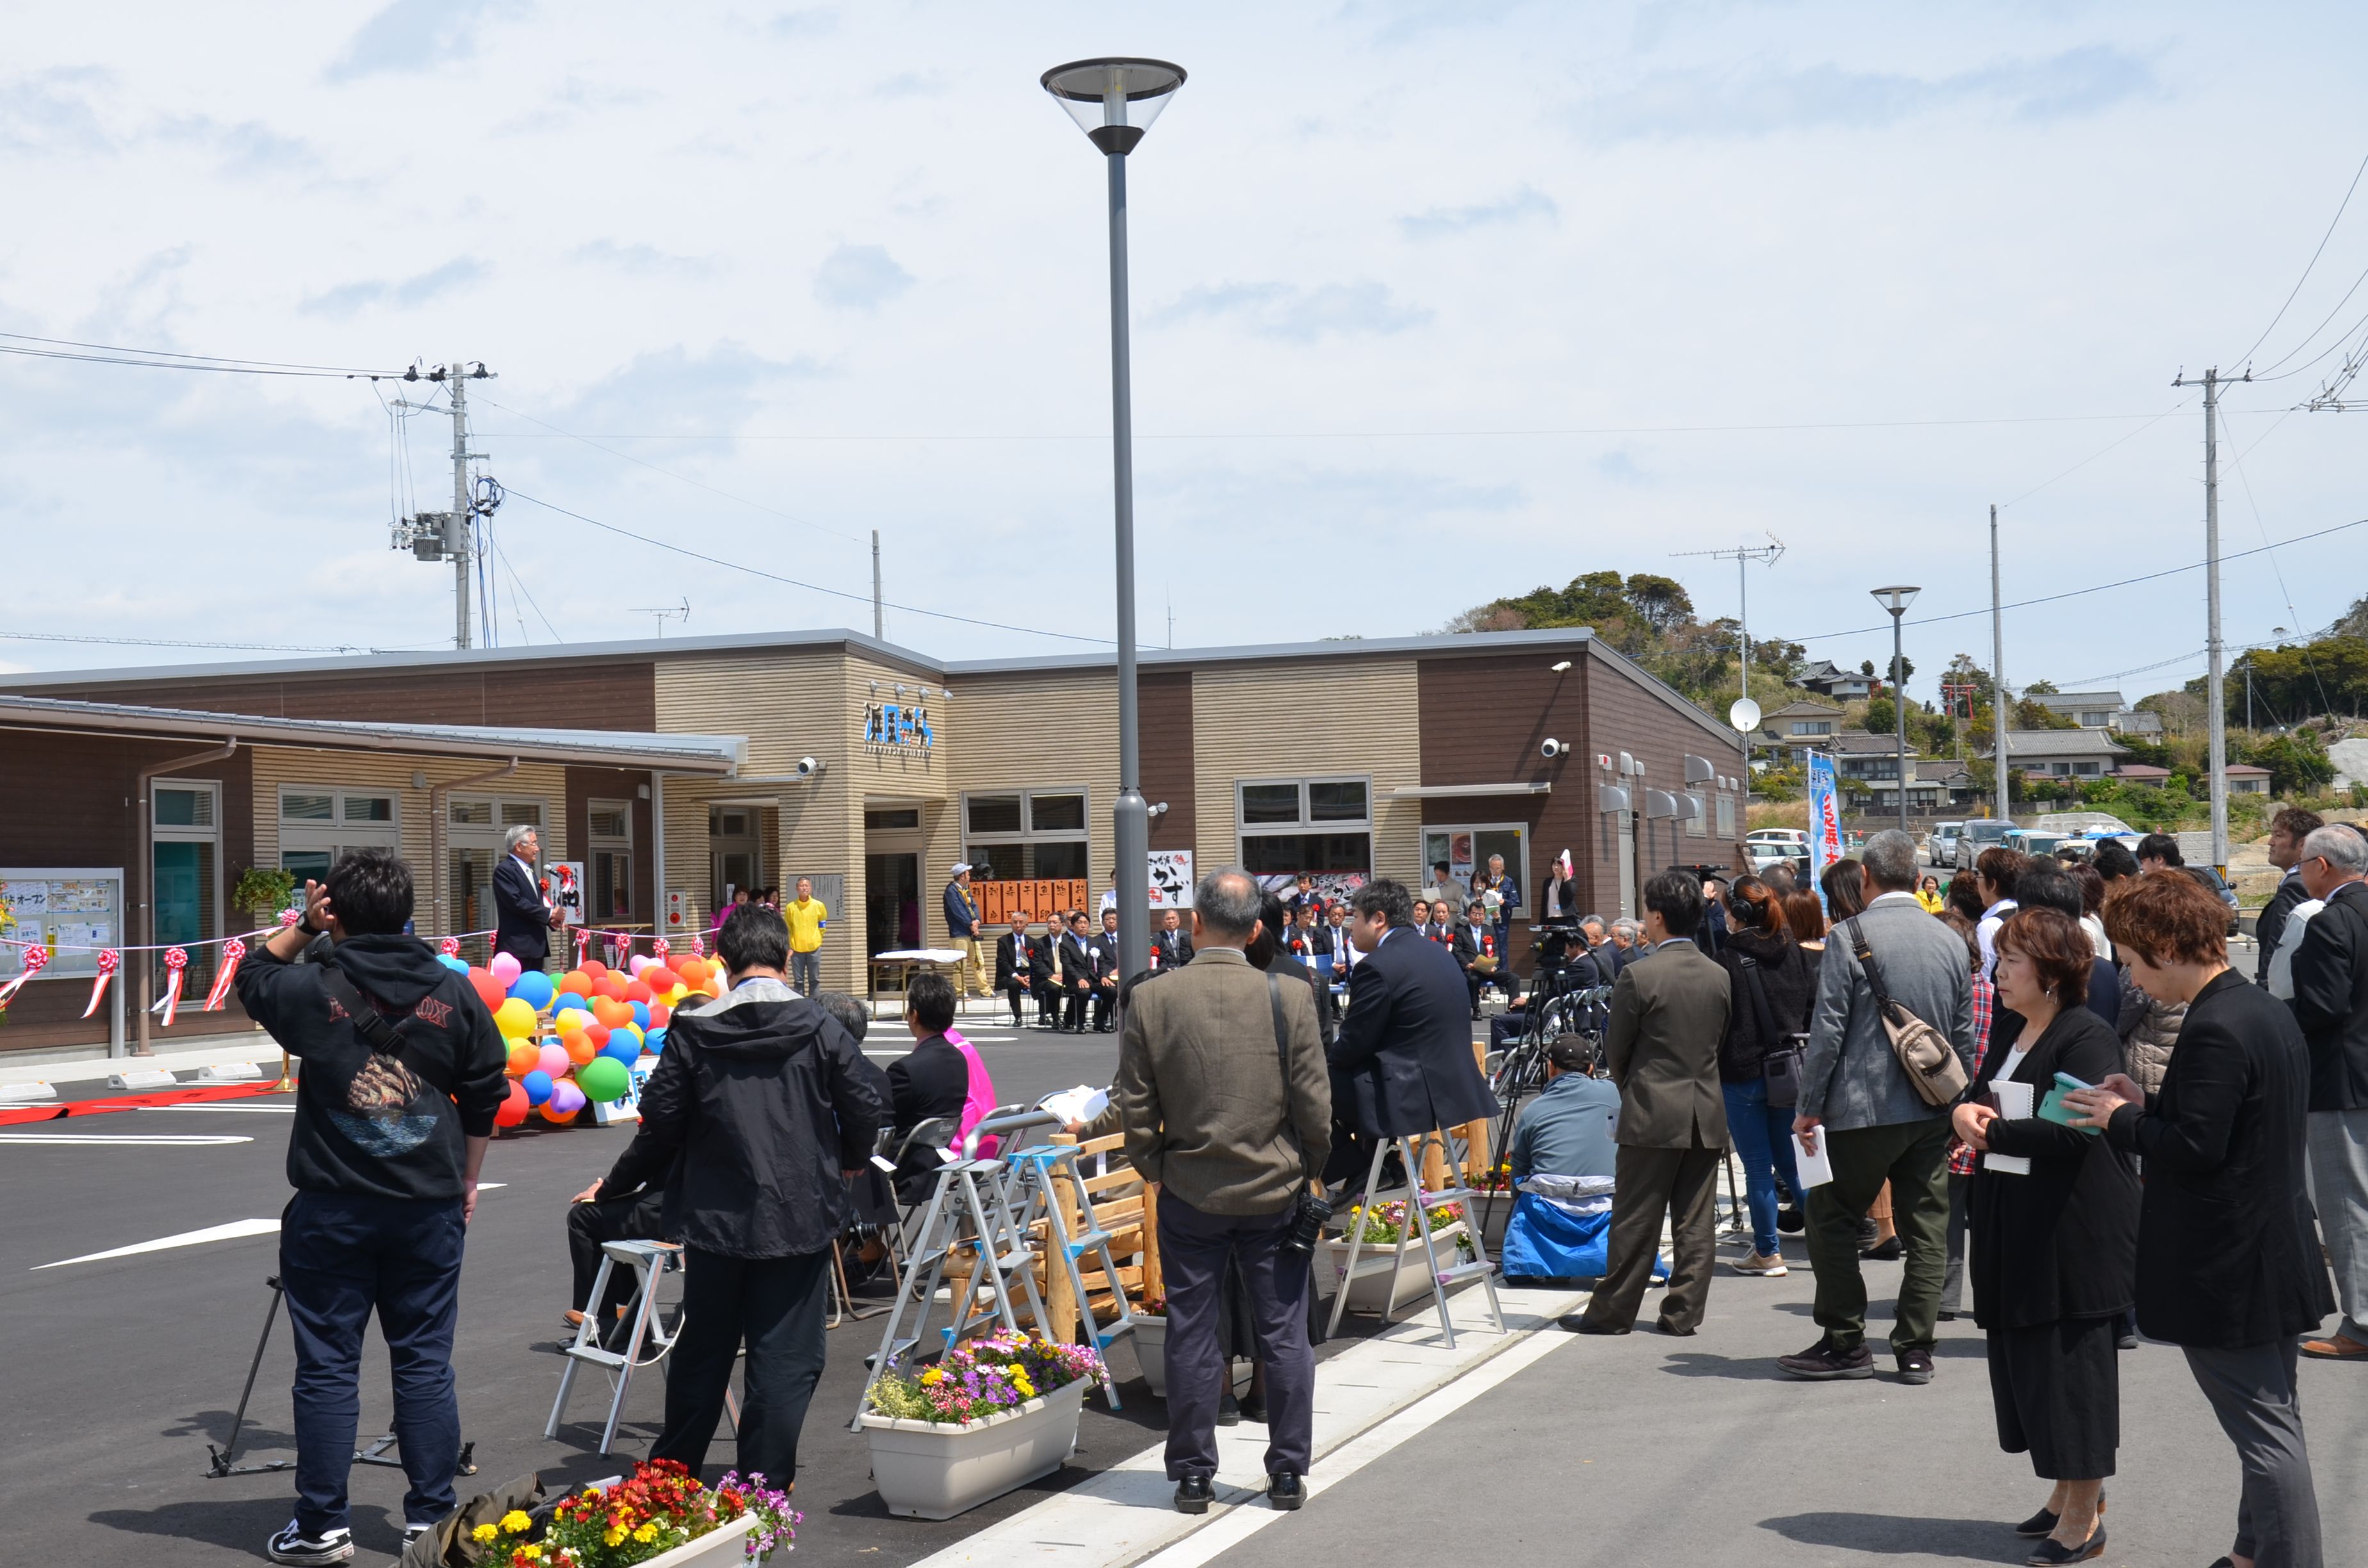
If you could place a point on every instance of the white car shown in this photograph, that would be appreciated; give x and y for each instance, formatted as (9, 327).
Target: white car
(1940, 843)
(1791, 836)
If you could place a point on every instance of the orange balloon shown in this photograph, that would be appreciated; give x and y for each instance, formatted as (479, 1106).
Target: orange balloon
(579, 1050)
(611, 1013)
(525, 1057)
(577, 980)
(692, 972)
(552, 1113)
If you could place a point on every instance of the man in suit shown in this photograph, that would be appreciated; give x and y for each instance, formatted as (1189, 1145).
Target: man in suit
(1478, 953)
(1669, 1014)
(1173, 946)
(1447, 891)
(1105, 949)
(1015, 958)
(1401, 1062)
(1858, 1102)
(961, 929)
(1077, 975)
(2330, 1003)
(1500, 894)
(523, 917)
(1044, 973)
(2287, 831)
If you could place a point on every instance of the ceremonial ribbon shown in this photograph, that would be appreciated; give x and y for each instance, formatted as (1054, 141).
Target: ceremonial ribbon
(35, 957)
(107, 960)
(175, 960)
(659, 948)
(697, 946)
(450, 947)
(582, 941)
(233, 950)
(290, 916)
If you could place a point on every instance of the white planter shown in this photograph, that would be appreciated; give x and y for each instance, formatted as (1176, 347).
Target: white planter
(1150, 1335)
(1381, 1286)
(928, 1470)
(717, 1549)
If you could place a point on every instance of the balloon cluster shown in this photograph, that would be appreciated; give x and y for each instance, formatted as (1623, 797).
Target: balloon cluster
(573, 1041)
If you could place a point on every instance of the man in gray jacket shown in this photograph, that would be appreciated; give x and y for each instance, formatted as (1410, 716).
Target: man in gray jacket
(1225, 1102)
(1857, 1099)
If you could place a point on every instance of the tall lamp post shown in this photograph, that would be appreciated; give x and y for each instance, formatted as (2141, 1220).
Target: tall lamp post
(1897, 600)
(1114, 102)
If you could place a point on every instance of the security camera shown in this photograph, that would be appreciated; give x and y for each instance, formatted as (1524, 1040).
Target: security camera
(808, 767)
(1552, 748)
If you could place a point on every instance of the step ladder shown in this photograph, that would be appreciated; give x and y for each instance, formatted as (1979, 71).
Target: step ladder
(968, 1215)
(1418, 1205)
(647, 1342)
(1036, 1172)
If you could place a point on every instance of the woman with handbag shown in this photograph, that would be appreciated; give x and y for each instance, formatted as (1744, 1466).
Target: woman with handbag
(1758, 1062)
(2054, 1231)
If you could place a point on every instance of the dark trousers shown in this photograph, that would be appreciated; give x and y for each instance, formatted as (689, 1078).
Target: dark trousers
(1073, 1010)
(1016, 993)
(1913, 1156)
(1193, 1250)
(805, 972)
(1048, 998)
(1105, 998)
(2253, 1393)
(776, 1304)
(1649, 1183)
(341, 1258)
(629, 1219)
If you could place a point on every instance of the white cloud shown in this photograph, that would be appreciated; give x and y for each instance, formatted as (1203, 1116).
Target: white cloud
(860, 278)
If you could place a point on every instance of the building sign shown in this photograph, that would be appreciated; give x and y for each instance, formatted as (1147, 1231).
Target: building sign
(890, 728)
(1171, 879)
(1824, 819)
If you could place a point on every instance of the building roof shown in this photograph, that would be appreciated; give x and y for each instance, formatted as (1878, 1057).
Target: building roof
(2248, 770)
(718, 754)
(2144, 772)
(1805, 709)
(2064, 701)
(2037, 745)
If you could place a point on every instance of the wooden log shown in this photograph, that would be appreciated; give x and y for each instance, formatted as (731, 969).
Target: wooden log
(1153, 1282)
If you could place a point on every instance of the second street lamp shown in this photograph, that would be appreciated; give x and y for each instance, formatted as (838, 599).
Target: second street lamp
(1897, 600)
(1114, 102)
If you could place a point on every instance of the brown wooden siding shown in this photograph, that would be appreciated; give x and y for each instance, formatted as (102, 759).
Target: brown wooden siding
(555, 696)
(1623, 713)
(1165, 702)
(586, 785)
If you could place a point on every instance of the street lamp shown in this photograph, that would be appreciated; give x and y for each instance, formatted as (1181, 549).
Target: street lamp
(1114, 102)
(1897, 600)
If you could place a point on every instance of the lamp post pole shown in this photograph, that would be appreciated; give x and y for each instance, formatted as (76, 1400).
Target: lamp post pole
(1897, 600)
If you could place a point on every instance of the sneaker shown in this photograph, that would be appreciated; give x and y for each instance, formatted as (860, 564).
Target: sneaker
(1768, 1265)
(411, 1533)
(292, 1545)
(1916, 1366)
(1822, 1363)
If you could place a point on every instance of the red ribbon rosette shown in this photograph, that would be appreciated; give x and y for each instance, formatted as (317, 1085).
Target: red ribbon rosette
(449, 946)
(175, 960)
(233, 950)
(290, 916)
(659, 948)
(108, 961)
(36, 955)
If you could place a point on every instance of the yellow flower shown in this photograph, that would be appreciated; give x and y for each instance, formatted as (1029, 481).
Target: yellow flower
(1020, 1386)
(516, 1522)
(530, 1552)
(483, 1534)
(647, 1533)
(611, 1536)
(932, 1378)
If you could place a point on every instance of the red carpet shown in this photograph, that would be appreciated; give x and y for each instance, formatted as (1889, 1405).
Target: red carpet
(16, 1114)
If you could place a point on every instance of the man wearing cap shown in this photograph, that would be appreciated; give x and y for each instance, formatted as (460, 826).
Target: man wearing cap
(1566, 1130)
(961, 926)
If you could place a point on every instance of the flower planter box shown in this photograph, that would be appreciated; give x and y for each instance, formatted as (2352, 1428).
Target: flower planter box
(1150, 1337)
(928, 1470)
(722, 1547)
(1380, 1285)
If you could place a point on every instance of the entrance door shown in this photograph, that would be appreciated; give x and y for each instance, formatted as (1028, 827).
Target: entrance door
(891, 915)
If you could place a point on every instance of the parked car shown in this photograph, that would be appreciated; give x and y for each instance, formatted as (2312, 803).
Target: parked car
(1777, 835)
(1940, 843)
(1764, 855)
(1977, 836)
(2035, 843)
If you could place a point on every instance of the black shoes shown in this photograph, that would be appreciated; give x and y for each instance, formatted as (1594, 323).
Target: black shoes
(1284, 1493)
(1887, 1251)
(1577, 1322)
(1916, 1367)
(1789, 1221)
(1822, 1363)
(2044, 1522)
(2047, 1552)
(1193, 1494)
(1229, 1414)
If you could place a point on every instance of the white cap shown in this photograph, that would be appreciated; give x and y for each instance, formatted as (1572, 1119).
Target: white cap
(960, 867)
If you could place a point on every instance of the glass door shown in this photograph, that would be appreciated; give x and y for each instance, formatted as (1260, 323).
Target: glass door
(891, 915)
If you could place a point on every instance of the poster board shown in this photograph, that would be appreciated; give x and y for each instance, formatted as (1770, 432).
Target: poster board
(626, 1107)
(567, 889)
(72, 912)
(1171, 879)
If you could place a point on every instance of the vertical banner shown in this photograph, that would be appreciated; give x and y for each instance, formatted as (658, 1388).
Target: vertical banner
(1825, 820)
(1171, 879)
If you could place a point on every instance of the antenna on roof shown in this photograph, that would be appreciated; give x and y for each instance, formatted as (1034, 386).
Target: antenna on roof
(681, 612)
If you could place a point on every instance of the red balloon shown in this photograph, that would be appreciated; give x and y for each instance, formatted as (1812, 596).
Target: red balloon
(637, 991)
(608, 985)
(489, 990)
(514, 1108)
(659, 979)
(659, 1014)
(593, 967)
(597, 1033)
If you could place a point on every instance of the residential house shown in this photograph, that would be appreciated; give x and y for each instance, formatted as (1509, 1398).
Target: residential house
(2064, 753)
(1828, 679)
(1798, 727)
(2100, 710)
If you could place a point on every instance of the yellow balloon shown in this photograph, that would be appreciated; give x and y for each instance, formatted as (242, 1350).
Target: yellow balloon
(515, 1018)
(674, 995)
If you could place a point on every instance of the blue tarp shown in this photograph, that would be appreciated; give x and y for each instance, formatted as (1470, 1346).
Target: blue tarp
(1544, 1241)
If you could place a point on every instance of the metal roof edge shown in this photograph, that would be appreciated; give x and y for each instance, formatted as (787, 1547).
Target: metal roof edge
(1451, 645)
(1727, 734)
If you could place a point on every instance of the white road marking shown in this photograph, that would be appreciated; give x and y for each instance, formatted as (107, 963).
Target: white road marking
(169, 1140)
(240, 1109)
(231, 1232)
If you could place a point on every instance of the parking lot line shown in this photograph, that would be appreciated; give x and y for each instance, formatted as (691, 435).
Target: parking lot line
(167, 1140)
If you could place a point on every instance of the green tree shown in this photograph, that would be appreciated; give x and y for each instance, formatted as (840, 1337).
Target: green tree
(2296, 765)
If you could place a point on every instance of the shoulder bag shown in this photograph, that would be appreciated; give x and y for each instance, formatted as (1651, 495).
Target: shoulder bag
(1780, 1064)
(1308, 1218)
(1925, 1054)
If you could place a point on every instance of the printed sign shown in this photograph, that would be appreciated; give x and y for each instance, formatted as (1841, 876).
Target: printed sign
(1171, 879)
(71, 913)
(897, 726)
(626, 1107)
(567, 889)
(1824, 819)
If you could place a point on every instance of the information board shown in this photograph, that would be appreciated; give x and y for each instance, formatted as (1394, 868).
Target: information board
(72, 912)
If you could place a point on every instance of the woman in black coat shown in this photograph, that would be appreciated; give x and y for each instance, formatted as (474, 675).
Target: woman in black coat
(2228, 1267)
(1773, 985)
(2054, 1248)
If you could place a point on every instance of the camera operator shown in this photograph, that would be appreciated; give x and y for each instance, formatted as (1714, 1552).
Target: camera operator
(1232, 1158)
(403, 1074)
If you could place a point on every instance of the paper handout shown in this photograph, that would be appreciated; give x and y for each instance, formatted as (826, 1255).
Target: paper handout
(2014, 1105)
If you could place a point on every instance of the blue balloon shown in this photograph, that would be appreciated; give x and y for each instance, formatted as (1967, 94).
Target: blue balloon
(640, 1015)
(458, 966)
(536, 1086)
(570, 1002)
(622, 1050)
(654, 1041)
(533, 988)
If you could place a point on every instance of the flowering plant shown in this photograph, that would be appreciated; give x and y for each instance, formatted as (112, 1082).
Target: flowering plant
(663, 1507)
(1497, 1178)
(984, 1377)
(1383, 1225)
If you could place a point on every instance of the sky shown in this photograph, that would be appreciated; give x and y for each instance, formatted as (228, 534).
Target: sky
(1431, 302)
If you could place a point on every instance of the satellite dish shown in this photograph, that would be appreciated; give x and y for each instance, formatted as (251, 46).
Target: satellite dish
(1744, 714)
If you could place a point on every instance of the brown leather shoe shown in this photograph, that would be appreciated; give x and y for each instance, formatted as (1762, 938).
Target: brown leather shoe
(2336, 1348)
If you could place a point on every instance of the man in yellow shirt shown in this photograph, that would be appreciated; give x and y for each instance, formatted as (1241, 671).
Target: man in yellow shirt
(806, 915)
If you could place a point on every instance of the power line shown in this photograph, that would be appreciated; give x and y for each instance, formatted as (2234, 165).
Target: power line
(796, 582)
(2092, 457)
(175, 643)
(138, 357)
(2315, 254)
(204, 358)
(2078, 592)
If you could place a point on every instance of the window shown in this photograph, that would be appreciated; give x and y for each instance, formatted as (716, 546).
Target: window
(1697, 825)
(473, 844)
(1288, 826)
(1813, 726)
(1467, 850)
(318, 824)
(1726, 816)
(608, 868)
(893, 821)
(2096, 721)
(2086, 769)
(735, 854)
(185, 868)
(1034, 832)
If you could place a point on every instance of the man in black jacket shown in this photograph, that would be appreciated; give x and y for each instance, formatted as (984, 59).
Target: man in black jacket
(2287, 830)
(1402, 1065)
(523, 917)
(1014, 963)
(1044, 973)
(392, 1116)
(758, 1110)
(1173, 943)
(1105, 949)
(2330, 1003)
(1076, 953)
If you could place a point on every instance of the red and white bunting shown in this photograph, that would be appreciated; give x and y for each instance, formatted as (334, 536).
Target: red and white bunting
(35, 956)
(175, 960)
(697, 946)
(108, 961)
(583, 942)
(659, 948)
(233, 950)
(449, 946)
(290, 916)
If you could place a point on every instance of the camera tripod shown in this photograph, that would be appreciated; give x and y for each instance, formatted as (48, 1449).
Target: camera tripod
(1555, 1007)
(219, 1462)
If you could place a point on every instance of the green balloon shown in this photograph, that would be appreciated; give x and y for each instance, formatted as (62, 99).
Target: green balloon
(603, 1078)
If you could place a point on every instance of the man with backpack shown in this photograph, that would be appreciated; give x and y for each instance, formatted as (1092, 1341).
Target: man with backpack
(402, 1073)
(1892, 1030)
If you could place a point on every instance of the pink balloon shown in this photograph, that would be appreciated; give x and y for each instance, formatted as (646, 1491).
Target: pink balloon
(639, 962)
(555, 1062)
(505, 968)
(566, 1097)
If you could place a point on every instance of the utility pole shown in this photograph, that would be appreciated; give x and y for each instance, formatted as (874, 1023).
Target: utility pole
(1999, 708)
(878, 623)
(450, 536)
(1743, 555)
(2215, 691)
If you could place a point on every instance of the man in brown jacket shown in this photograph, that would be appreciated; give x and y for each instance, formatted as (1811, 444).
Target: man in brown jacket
(1669, 1014)
(1222, 1095)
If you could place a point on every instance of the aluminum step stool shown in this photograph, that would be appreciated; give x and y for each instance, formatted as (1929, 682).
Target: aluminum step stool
(1418, 1205)
(650, 1260)
(1036, 1171)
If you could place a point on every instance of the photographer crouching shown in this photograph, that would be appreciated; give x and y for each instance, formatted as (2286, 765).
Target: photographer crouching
(402, 1073)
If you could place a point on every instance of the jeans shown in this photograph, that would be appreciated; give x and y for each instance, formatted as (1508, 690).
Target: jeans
(805, 973)
(1193, 1248)
(777, 1304)
(1763, 1140)
(341, 1258)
